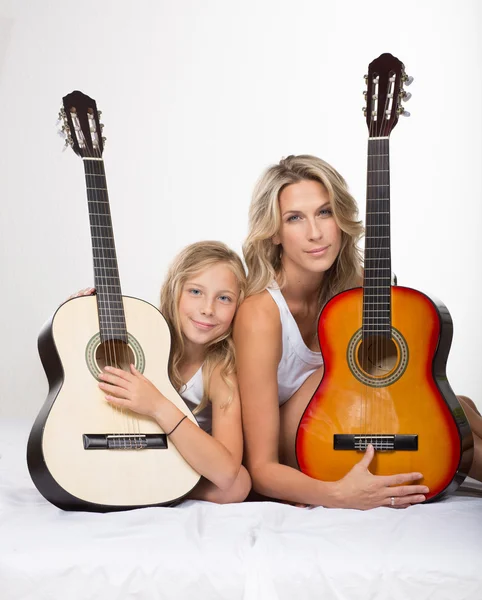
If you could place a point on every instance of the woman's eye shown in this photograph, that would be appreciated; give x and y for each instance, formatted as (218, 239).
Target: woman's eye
(326, 212)
(293, 218)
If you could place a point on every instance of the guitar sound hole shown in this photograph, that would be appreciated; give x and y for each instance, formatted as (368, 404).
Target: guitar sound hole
(114, 353)
(378, 356)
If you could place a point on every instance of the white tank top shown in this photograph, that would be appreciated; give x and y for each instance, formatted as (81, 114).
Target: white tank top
(192, 393)
(297, 362)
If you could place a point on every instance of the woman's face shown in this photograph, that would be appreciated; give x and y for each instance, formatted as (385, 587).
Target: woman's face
(207, 304)
(309, 234)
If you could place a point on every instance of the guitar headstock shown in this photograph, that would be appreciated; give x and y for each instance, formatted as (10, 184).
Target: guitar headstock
(81, 126)
(384, 95)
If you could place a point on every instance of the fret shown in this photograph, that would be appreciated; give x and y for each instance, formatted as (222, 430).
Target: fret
(377, 269)
(103, 237)
(381, 258)
(105, 258)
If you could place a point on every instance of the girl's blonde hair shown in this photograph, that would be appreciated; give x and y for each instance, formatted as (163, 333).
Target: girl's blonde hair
(190, 261)
(263, 257)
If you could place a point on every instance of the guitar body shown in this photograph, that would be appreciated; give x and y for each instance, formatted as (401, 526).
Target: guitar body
(385, 347)
(67, 473)
(401, 389)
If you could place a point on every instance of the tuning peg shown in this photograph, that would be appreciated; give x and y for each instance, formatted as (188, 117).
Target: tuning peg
(61, 133)
(104, 141)
(99, 113)
(402, 112)
(365, 77)
(364, 109)
(405, 96)
(407, 79)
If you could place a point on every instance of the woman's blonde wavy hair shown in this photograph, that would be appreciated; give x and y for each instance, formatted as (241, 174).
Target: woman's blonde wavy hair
(263, 257)
(190, 261)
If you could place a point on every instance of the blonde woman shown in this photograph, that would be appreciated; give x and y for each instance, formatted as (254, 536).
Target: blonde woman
(203, 288)
(300, 251)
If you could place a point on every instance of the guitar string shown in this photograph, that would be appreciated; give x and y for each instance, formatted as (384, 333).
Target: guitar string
(385, 279)
(94, 221)
(133, 425)
(99, 264)
(110, 353)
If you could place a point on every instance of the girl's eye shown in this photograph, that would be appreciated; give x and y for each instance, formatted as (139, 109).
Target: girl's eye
(225, 298)
(194, 292)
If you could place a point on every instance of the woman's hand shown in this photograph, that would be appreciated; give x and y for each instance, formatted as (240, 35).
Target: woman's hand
(131, 390)
(362, 490)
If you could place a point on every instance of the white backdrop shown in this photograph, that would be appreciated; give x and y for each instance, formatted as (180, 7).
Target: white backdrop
(198, 98)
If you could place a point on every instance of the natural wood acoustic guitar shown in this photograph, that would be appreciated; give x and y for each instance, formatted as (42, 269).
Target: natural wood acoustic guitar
(84, 454)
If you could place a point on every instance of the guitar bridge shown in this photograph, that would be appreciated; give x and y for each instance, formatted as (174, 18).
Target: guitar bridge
(381, 442)
(124, 441)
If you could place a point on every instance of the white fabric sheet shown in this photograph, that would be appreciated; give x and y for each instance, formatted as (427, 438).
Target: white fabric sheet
(198, 550)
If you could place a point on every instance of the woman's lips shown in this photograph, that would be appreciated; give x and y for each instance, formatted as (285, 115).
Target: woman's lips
(318, 251)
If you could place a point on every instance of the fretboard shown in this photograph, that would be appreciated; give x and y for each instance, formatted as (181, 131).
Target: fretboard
(377, 274)
(112, 322)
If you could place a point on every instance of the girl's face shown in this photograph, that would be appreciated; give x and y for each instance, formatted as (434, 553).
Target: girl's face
(309, 234)
(207, 304)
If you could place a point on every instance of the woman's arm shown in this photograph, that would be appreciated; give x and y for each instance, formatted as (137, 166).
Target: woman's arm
(216, 457)
(257, 336)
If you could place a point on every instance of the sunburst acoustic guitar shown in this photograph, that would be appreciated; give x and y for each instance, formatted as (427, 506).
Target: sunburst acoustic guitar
(385, 347)
(82, 453)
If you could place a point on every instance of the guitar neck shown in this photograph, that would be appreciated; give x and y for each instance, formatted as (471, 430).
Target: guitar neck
(112, 322)
(377, 273)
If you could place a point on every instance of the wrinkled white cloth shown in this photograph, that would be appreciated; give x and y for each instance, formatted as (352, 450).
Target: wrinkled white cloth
(250, 551)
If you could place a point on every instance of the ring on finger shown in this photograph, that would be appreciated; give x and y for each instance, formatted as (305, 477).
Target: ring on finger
(392, 500)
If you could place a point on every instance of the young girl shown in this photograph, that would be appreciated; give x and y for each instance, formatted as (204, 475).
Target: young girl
(204, 286)
(300, 251)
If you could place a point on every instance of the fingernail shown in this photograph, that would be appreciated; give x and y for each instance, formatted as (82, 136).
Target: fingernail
(421, 498)
(426, 490)
(107, 368)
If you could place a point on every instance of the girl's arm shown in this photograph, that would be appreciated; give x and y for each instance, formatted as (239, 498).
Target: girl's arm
(216, 457)
(257, 336)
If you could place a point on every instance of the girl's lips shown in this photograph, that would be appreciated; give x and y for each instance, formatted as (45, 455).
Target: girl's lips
(201, 325)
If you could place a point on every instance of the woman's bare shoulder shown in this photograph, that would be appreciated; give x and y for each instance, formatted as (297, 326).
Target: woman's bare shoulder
(260, 309)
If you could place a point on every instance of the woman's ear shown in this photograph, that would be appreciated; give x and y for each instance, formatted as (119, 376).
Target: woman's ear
(275, 239)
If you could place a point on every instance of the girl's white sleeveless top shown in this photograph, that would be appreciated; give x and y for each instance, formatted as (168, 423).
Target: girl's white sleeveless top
(192, 393)
(297, 362)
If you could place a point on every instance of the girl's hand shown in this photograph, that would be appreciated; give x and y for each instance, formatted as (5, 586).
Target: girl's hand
(362, 490)
(85, 292)
(131, 390)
